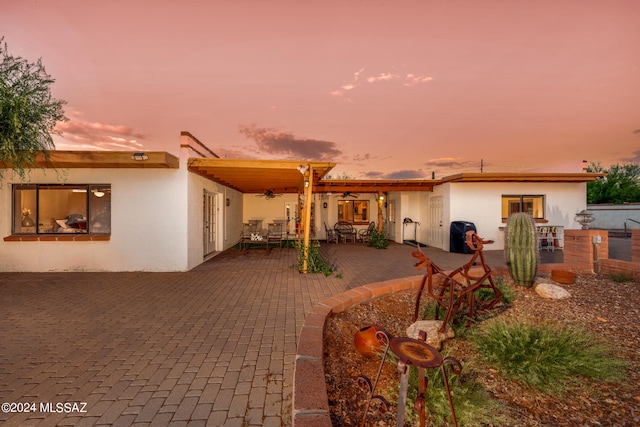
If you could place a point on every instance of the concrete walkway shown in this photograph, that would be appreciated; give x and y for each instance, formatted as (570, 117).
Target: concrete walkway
(213, 346)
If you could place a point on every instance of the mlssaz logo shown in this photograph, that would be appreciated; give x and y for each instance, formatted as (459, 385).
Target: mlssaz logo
(64, 407)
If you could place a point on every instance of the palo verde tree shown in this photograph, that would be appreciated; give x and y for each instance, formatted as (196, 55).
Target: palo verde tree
(28, 112)
(620, 185)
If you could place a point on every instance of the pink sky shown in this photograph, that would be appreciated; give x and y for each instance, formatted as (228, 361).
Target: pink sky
(387, 89)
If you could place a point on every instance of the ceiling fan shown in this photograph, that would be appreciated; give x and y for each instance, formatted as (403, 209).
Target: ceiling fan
(349, 194)
(269, 194)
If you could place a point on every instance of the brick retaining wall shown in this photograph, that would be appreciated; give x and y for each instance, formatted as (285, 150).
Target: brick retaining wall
(579, 249)
(625, 268)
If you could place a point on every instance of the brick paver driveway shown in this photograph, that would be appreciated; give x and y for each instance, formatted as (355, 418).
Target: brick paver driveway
(212, 346)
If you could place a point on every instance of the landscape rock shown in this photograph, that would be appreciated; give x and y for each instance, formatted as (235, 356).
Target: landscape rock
(551, 291)
(431, 327)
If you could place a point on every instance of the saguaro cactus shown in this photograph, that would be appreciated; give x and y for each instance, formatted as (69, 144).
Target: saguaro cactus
(521, 248)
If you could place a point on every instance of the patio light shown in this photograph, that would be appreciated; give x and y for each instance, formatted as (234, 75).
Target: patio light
(139, 156)
(584, 218)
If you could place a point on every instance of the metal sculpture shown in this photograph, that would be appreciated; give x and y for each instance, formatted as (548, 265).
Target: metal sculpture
(417, 353)
(455, 291)
(364, 381)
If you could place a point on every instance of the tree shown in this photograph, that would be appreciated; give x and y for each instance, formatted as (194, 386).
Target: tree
(28, 112)
(621, 185)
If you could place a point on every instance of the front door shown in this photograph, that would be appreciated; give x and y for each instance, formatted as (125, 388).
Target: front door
(209, 222)
(435, 223)
(391, 220)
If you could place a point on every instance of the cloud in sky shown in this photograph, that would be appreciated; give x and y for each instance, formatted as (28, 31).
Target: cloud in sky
(635, 158)
(401, 174)
(358, 80)
(280, 143)
(362, 157)
(451, 163)
(99, 136)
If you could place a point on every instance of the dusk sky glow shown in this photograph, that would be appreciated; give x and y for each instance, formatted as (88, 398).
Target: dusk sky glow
(387, 89)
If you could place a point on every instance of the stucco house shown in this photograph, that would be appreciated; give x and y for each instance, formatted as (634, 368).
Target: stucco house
(152, 211)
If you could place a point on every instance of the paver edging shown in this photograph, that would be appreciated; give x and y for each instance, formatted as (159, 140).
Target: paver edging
(310, 406)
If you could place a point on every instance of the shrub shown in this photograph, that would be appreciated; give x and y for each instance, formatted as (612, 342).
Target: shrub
(508, 294)
(621, 277)
(546, 357)
(315, 263)
(378, 239)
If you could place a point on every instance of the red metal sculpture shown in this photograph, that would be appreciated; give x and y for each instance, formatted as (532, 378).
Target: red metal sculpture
(455, 291)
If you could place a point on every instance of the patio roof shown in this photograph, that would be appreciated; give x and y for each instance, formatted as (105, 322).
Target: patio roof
(373, 186)
(258, 176)
(105, 159)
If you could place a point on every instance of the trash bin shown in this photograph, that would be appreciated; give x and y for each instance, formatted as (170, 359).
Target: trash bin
(458, 235)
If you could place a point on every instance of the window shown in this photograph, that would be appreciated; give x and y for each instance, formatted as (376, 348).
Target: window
(533, 205)
(54, 208)
(355, 211)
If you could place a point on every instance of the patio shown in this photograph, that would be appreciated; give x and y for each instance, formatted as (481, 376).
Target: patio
(215, 345)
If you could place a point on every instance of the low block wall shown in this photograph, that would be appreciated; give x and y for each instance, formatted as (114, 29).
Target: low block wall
(580, 253)
(310, 406)
(625, 268)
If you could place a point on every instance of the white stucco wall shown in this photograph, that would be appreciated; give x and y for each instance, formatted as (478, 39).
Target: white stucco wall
(148, 224)
(228, 218)
(480, 203)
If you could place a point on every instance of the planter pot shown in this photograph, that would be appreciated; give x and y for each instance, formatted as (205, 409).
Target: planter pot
(366, 341)
(564, 277)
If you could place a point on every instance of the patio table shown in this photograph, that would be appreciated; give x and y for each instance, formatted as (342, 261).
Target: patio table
(346, 231)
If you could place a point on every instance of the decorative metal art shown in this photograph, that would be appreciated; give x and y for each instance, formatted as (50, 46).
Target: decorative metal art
(364, 381)
(417, 353)
(455, 292)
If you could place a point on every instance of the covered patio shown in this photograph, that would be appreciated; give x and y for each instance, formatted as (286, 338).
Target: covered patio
(304, 178)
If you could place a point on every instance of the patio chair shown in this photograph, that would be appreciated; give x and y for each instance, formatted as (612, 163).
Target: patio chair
(274, 233)
(247, 237)
(332, 235)
(365, 234)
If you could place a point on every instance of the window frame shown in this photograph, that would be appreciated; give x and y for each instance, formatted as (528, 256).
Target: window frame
(39, 226)
(352, 214)
(521, 204)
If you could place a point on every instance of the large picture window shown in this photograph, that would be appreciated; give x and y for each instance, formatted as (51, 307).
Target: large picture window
(533, 205)
(354, 211)
(55, 208)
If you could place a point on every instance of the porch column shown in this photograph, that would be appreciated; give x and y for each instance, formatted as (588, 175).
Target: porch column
(380, 200)
(307, 217)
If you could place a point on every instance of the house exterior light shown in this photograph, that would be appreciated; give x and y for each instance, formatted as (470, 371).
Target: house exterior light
(139, 156)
